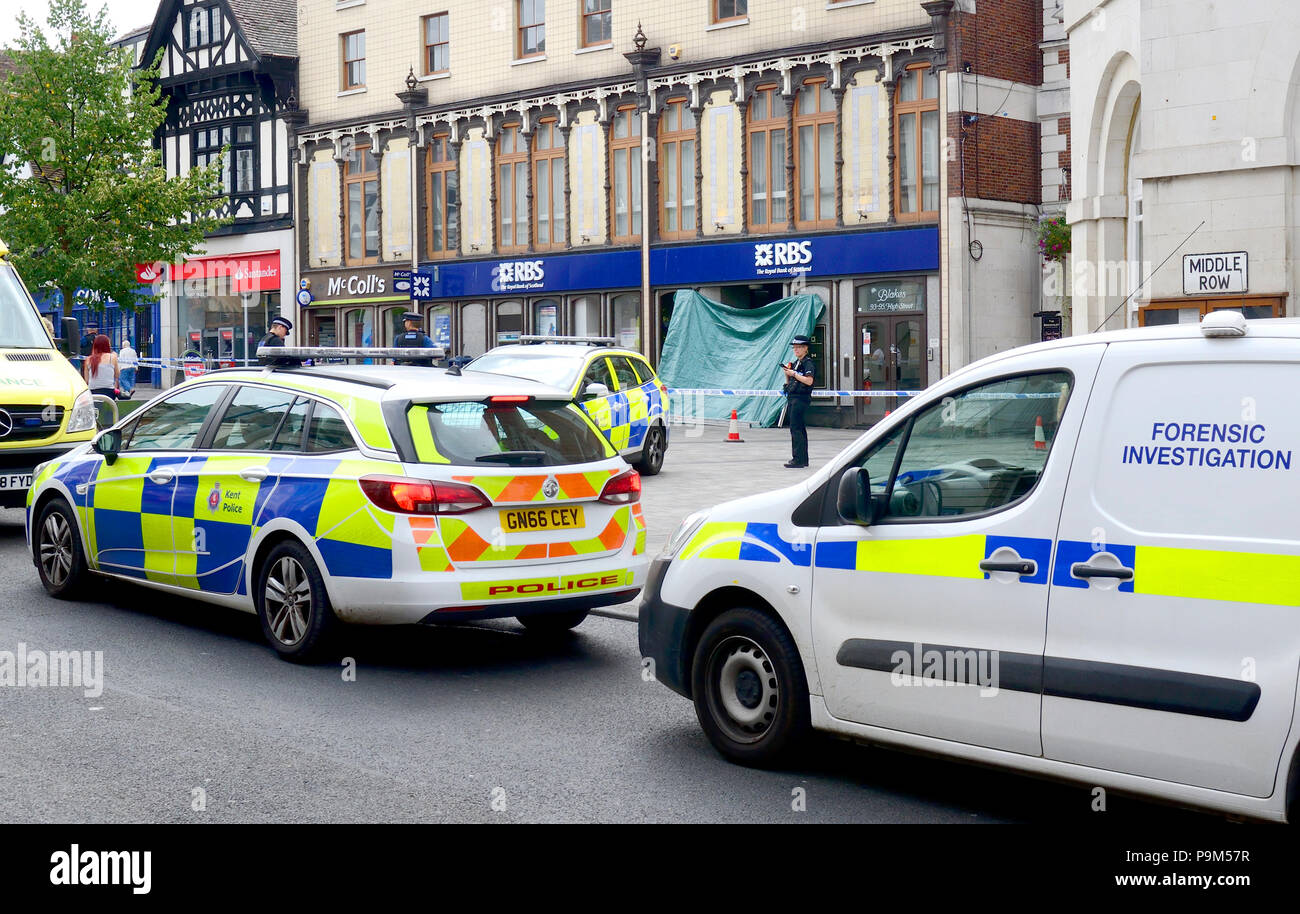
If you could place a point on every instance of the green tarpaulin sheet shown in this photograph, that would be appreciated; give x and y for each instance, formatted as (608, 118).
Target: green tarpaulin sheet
(711, 345)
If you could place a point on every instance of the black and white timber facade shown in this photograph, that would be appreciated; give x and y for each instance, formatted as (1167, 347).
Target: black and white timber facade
(228, 70)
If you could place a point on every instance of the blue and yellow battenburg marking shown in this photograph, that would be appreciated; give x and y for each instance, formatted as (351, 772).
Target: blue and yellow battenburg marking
(623, 417)
(1204, 574)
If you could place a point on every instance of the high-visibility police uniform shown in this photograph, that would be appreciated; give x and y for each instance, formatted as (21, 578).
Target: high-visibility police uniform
(274, 339)
(799, 397)
(414, 339)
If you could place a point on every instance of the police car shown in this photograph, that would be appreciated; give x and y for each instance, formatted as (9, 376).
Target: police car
(368, 494)
(616, 387)
(1080, 559)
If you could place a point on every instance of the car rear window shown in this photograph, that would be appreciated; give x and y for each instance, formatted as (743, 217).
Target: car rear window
(506, 434)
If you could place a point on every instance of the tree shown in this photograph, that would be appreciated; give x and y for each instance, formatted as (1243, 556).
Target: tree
(98, 200)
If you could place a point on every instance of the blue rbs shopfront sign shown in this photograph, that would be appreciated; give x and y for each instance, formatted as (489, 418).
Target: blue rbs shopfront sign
(899, 251)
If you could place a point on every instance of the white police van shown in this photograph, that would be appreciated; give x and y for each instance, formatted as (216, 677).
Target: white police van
(1080, 559)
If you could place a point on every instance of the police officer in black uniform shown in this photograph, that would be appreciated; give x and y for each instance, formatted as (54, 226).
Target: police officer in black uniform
(413, 337)
(800, 374)
(280, 327)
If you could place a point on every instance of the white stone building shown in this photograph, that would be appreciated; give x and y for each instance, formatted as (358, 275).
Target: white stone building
(1185, 112)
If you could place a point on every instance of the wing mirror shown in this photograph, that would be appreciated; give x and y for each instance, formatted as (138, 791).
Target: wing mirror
(854, 504)
(109, 443)
(594, 391)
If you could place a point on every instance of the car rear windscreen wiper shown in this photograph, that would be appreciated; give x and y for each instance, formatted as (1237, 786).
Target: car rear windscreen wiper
(518, 458)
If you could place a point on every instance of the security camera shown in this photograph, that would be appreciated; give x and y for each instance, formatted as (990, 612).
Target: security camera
(674, 51)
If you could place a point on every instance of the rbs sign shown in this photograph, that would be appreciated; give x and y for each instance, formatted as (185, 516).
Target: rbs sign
(1211, 274)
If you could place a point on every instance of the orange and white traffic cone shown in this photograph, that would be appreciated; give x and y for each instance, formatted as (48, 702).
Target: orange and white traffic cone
(733, 430)
(1040, 442)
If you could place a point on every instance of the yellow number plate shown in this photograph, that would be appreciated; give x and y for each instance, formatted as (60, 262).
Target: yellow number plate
(530, 520)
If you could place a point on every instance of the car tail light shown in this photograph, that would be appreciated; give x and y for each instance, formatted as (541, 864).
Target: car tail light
(403, 495)
(509, 398)
(623, 489)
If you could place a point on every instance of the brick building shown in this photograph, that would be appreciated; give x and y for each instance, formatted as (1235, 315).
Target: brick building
(569, 170)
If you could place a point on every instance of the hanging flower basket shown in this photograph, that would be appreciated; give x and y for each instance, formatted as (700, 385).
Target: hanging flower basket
(1053, 239)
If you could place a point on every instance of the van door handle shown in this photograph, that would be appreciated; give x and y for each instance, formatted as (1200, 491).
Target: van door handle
(1085, 570)
(162, 476)
(1024, 566)
(253, 474)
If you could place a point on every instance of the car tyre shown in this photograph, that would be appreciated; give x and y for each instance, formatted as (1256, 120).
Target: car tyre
(293, 606)
(57, 552)
(751, 694)
(553, 623)
(652, 451)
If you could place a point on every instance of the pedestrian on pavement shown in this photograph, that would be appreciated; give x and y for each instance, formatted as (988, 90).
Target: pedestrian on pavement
(101, 371)
(87, 346)
(127, 361)
(280, 327)
(413, 337)
(800, 373)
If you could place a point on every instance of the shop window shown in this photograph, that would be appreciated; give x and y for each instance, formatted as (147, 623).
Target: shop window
(627, 321)
(437, 323)
(767, 152)
(473, 329)
(916, 144)
(512, 189)
(441, 181)
(437, 44)
(1191, 311)
(625, 154)
(548, 186)
(596, 24)
(509, 322)
(677, 170)
(729, 10)
(354, 60)
(546, 317)
(359, 327)
(814, 156)
(531, 18)
(361, 192)
(586, 316)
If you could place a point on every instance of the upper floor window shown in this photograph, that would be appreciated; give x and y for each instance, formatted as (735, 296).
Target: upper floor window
(361, 196)
(767, 152)
(201, 29)
(548, 185)
(437, 44)
(531, 17)
(442, 183)
(238, 171)
(354, 60)
(916, 139)
(677, 170)
(724, 10)
(512, 189)
(596, 24)
(814, 161)
(625, 181)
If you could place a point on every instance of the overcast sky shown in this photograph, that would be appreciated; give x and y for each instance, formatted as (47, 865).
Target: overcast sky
(123, 15)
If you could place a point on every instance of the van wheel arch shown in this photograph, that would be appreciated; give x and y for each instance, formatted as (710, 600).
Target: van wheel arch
(1293, 790)
(713, 605)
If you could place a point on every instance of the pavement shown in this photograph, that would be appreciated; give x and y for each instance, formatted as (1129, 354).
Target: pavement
(199, 721)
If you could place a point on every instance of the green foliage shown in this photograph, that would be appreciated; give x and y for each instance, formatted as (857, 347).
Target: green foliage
(1053, 239)
(98, 201)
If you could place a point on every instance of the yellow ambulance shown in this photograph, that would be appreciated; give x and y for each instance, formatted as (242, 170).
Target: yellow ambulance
(45, 407)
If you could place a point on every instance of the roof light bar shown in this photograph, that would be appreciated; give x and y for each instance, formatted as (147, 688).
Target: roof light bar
(350, 352)
(594, 340)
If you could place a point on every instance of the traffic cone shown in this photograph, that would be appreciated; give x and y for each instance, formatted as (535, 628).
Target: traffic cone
(1040, 442)
(733, 430)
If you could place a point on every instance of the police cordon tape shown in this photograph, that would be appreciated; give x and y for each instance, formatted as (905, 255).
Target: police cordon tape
(723, 392)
